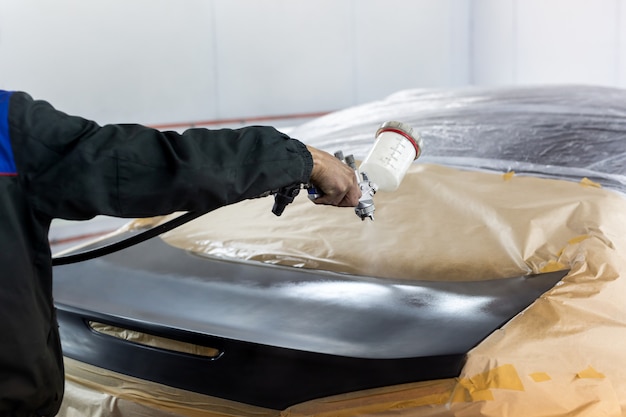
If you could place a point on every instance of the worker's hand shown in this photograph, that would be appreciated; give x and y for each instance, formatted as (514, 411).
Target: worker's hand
(335, 180)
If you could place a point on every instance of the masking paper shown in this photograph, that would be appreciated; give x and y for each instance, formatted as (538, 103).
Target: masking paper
(96, 392)
(441, 224)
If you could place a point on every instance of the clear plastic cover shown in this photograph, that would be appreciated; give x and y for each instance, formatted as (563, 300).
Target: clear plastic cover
(551, 131)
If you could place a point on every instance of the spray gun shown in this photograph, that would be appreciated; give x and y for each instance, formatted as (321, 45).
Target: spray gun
(365, 208)
(396, 147)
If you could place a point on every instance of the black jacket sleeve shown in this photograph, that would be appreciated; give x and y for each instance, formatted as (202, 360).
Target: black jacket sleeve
(75, 169)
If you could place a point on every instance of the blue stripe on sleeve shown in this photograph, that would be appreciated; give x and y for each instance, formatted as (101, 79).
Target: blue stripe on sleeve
(7, 162)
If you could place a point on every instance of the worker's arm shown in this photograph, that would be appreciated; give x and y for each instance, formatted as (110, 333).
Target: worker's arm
(76, 169)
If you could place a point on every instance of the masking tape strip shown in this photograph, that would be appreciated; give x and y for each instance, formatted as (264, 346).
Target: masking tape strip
(589, 372)
(586, 182)
(379, 400)
(478, 387)
(540, 377)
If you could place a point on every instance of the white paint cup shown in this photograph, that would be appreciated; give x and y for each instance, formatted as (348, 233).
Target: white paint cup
(395, 148)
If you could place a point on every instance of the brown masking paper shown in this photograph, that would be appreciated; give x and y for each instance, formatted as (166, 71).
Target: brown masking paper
(95, 392)
(562, 356)
(441, 224)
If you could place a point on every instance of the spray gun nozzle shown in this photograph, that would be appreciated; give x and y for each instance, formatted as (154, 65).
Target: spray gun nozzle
(366, 208)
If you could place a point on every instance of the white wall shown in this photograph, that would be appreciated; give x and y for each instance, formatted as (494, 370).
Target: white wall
(402, 44)
(165, 61)
(168, 61)
(549, 41)
(621, 46)
(111, 59)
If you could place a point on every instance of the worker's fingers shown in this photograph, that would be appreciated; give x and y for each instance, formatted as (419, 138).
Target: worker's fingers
(343, 198)
(335, 180)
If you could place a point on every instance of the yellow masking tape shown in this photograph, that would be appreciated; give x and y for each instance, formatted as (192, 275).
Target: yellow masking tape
(577, 239)
(552, 266)
(381, 400)
(589, 373)
(478, 387)
(540, 377)
(586, 182)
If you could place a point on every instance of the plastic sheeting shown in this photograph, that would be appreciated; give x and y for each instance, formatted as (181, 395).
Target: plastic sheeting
(561, 131)
(562, 207)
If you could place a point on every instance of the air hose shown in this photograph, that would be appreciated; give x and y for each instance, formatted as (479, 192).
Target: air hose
(282, 197)
(128, 242)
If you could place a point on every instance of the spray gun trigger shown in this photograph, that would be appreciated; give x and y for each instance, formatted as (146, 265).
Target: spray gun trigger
(312, 192)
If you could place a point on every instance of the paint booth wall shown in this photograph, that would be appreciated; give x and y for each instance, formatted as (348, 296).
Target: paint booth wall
(170, 61)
